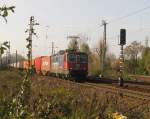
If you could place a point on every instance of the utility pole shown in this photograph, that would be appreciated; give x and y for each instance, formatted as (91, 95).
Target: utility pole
(9, 54)
(46, 37)
(31, 32)
(104, 23)
(52, 48)
(16, 58)
(6, 62)
(146, 42)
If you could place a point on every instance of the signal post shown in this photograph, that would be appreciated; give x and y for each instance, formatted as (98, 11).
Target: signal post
(121, 58)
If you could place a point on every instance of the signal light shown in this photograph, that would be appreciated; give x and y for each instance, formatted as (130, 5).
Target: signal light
(122, 36)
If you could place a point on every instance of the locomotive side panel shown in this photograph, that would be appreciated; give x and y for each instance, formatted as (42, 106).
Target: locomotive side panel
(62, 68)
(59, 65)
(65, 62)
(54, 64)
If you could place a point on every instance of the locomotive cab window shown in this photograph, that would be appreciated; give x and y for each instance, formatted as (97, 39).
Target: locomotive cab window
(72, 58)
(78, 58)
(83, 59)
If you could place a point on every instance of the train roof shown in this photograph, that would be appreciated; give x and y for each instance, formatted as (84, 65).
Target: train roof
(61, 52)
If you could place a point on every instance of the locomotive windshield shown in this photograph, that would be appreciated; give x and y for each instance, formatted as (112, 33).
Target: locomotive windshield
(80, 58)
(83, 58)
(72, 58)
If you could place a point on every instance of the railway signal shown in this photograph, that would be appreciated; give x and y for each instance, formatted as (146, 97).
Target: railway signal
(122, 36)
(121, 59)
(31, 32)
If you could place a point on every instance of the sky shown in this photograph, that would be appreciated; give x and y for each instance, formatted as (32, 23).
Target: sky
(73, 17)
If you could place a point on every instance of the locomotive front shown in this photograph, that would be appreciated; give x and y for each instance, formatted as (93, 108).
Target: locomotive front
(77, 64)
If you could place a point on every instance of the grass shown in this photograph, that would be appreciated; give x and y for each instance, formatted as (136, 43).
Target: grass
(46, 98)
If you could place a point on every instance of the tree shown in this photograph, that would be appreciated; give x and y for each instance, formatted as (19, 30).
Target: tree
(73, 44)
(85, 48)
(4, 46)
(145, 60)
(147, 63)
(101, 51)
(4, 11)
(131, 53)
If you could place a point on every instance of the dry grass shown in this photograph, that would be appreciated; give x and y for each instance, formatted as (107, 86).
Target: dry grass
(50, 98)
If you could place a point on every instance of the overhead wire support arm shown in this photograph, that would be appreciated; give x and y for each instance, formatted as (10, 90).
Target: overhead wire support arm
(31, 32)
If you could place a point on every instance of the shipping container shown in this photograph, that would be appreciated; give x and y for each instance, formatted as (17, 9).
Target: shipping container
(46, 65)
(37, 64)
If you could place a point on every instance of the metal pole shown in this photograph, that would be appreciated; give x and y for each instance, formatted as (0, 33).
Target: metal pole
(121, 62)
(9, 55)
(103, 48)
(16, 59)
(30, 40)
(6, 60)
(52, 48)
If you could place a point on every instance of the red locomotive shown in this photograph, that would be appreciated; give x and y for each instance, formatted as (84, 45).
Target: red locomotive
(69, 63)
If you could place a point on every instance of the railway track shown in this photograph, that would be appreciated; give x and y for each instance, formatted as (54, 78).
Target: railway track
(115, 90)
(144, 98)
(141, 78)
(120, 91)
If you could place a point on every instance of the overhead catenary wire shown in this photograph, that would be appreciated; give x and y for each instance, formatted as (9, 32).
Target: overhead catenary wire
(126, 16)
(130, 14)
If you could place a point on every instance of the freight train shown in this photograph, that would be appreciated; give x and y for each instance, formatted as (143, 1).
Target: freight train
(64, 64)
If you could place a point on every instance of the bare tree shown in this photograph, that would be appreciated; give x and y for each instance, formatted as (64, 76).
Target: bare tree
(73, 44)
(85, 48)
(4, 46)
(4, 13)
(133, 50)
